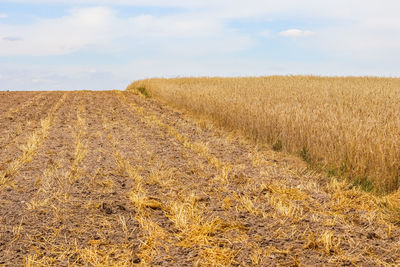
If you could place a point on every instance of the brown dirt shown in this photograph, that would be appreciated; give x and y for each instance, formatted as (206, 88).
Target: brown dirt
(119, 180)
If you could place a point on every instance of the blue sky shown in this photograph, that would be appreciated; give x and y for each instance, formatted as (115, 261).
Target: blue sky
(98, 44)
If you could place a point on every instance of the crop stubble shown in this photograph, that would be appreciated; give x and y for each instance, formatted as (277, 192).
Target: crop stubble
(117, 179)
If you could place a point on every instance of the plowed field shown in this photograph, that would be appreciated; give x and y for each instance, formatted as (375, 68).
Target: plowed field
(116, 179)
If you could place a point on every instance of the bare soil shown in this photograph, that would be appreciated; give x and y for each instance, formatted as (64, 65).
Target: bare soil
(117, 179)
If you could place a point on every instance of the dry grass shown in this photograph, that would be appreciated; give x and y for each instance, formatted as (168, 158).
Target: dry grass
(348, 126)
(80, 146)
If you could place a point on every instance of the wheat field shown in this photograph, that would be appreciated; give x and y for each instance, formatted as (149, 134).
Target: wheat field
(347, 126)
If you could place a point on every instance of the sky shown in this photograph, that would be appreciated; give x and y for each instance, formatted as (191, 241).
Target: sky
(101, 45)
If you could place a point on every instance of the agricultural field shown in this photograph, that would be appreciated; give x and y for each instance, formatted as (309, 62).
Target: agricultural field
(119, 179)
(348, 127)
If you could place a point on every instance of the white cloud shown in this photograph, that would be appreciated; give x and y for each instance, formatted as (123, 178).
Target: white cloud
(44, 77)
(186, 25)
(101, 28)
(3, 16)
(350, 9)
(81, 28)
(197, 39)
(296, 33)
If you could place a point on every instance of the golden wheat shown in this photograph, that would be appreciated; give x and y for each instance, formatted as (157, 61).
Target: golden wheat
(348, 125)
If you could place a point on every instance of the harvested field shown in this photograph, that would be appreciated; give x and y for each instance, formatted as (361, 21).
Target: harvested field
(117, 179)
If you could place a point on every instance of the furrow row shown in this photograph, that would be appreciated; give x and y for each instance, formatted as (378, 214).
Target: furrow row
(31, 145)
(291, 204)
(185, 206)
